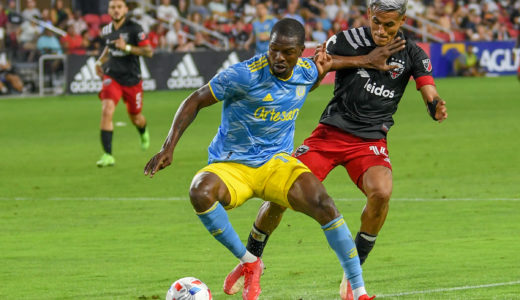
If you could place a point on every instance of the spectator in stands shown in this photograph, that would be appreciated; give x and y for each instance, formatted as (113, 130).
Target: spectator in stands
(293, 13)
(261, 29)
(8, 77)
(218, 11)
(470, 25)
(183, 8)
(167, 12)
(249, 11)
(467, 64)
(324, 20)
(59, 14)
(28, 35)
(143, 19)
(3, 16)
(239, 35)
(31, 11)
(319, 34)
(77, 21)
(48, 43)
(14, 20)
(46, 18)
(235, 9)
(92, 45)
(157, 37)
(72, 42)
(197, 6)
(200, 42)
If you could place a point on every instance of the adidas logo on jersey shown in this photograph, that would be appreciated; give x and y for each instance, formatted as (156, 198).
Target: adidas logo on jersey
(268, 97)
(185, 75)
(231, 60)
(372, 88)
(87, 81)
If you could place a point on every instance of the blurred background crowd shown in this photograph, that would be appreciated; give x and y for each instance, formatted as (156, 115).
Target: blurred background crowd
(30, 28)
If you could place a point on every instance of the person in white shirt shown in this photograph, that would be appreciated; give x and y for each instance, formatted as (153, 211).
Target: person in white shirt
(167, 12)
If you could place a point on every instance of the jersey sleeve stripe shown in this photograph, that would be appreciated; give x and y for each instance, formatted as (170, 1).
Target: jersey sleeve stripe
(349, 39)
(424, 80)
(213, 93)
(356, 36)
(144, 43)
(362, 33)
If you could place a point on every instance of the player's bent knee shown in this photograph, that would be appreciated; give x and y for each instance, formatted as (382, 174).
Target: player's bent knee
(201, 198)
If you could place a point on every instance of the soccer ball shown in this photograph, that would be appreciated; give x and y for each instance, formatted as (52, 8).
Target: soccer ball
(188, 288)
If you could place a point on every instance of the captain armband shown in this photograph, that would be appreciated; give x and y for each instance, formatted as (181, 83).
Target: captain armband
(432, 108)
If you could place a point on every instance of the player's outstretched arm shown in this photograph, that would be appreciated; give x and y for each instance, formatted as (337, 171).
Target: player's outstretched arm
(435, 105)
(185, 114)
(376, 59)
(145, 50)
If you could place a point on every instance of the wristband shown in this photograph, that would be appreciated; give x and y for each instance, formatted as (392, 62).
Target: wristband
(432, 108)
(99, 63)
(128, 48)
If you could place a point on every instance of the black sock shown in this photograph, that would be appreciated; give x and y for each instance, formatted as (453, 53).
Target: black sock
(141, 130)
(106, 140)
(364, 244)
(257, 241)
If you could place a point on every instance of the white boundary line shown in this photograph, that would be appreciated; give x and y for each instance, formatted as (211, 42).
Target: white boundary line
(459, 288)
(186, 198)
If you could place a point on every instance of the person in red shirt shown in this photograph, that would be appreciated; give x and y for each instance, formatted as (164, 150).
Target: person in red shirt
(72, 42)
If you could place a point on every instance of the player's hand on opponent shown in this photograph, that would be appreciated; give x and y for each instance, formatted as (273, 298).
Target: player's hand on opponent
(441, 112)
(377, 58)
(160, 161)
(322, 59)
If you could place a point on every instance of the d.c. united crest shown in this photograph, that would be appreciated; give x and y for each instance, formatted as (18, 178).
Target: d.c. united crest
(397, 71)
(427, 65)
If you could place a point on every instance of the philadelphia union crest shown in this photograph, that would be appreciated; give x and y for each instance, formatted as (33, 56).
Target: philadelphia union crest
(394, 73)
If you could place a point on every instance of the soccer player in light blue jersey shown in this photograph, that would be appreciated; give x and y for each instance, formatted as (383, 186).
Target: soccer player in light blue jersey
(250, 155)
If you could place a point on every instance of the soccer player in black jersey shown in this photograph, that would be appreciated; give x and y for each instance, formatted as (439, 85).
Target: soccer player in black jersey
(120, 69)
(353, 128)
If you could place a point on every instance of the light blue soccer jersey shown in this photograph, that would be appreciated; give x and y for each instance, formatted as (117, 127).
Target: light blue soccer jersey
(259, 110)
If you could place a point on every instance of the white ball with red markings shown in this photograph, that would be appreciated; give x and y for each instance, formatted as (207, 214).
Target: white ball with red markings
(188, 288)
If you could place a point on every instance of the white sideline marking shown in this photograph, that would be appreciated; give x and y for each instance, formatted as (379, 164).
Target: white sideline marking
(459, 288)
(186, 198)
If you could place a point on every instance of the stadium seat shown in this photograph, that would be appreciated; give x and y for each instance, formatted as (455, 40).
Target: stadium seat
(443, 35)
(105, 19)
(92, 20)
(460, 36)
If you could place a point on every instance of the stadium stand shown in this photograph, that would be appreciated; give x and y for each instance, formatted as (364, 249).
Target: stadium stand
(190, 25)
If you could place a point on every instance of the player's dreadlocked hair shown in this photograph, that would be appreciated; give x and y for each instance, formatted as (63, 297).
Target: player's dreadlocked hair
(388, 5)
(290, 28)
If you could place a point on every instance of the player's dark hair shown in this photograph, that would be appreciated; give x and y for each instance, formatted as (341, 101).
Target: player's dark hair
(290, 28)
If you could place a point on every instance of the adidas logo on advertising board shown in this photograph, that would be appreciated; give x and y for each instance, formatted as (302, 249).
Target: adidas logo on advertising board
(231, 60)
(87, 81)
(185, 75)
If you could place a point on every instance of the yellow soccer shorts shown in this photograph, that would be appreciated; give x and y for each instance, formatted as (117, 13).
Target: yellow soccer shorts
(270, 182)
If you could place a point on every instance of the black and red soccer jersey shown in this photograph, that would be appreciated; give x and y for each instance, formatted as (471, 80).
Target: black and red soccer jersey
(365, 100)
(124, 67)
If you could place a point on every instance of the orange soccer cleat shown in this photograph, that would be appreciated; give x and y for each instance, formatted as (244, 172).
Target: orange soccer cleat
(234, 280)
(252, 273)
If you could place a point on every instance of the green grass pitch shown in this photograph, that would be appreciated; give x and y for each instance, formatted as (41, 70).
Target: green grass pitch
(69, 230)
